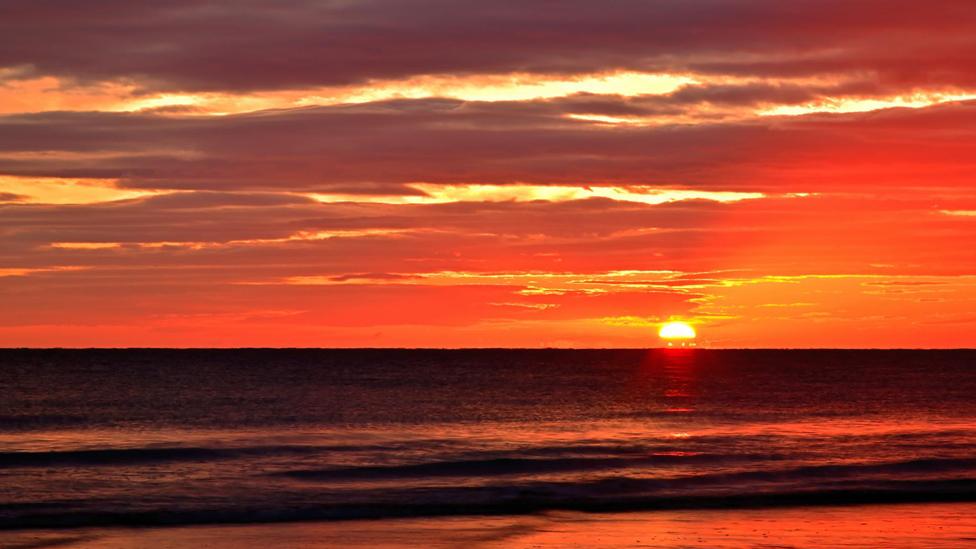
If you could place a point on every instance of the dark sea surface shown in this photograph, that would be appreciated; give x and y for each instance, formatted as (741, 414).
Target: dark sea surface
(167, 437)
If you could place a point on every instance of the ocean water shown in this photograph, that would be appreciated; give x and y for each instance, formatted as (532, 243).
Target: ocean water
(179, 437)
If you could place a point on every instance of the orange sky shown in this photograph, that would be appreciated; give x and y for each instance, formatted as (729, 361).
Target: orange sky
(503, 174)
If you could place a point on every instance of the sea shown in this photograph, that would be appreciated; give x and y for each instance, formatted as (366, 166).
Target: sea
(170, 438)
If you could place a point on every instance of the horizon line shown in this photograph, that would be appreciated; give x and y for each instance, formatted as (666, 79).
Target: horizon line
(664, 348)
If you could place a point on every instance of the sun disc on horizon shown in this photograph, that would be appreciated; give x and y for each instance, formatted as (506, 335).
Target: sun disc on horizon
(676, 331)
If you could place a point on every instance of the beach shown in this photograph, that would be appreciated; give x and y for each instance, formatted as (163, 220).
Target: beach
(934, 526)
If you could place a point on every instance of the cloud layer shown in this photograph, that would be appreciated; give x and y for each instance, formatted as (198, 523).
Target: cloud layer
(515, 173)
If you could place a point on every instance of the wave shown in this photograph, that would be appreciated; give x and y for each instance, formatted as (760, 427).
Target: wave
(517, 502)
(145, 455)
(501, 466)
(28, 422)
(528, 459)
(165, 454)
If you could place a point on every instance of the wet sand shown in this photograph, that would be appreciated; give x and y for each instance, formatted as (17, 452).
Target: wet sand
(890, 526)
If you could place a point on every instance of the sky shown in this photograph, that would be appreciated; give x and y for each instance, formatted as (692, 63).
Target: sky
(512, 173)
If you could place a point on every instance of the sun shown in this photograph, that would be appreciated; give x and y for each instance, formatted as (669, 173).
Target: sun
(676, 331)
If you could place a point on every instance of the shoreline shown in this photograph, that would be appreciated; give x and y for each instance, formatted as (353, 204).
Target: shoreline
(898, 525)
(759, 502)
